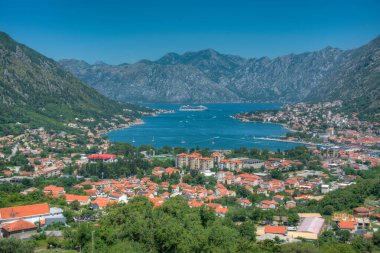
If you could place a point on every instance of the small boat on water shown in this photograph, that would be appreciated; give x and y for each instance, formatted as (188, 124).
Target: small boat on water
(193, 108)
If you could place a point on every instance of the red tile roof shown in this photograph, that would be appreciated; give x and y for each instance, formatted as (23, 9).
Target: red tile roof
(246, 201)
(196, 203)
(222, 210)
(214, 205)
(103, 202)
(53, 188)
(72, 197)
(269, 202)
(275, 229)
(347, 224)
(24, 211)
(101, 156)
(18, 226)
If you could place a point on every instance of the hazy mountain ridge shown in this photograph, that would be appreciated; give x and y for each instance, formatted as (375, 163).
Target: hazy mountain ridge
(208, 76)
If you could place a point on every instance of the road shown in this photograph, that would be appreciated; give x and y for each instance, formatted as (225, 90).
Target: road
(14, 151)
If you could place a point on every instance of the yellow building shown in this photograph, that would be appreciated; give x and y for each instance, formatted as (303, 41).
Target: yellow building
(311, 226)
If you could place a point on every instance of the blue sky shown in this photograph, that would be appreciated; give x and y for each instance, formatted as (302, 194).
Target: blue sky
(128, 31)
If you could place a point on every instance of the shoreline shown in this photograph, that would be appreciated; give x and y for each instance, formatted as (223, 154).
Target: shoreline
(136, 122)
(263, 122)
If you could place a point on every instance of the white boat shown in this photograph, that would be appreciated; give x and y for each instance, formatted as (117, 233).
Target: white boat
(192, 108)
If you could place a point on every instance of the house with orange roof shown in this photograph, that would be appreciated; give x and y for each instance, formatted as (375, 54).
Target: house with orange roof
(157, 201)
(118, 196)
(29, 190)
(290, 204)
(32, 213)
(17, 228)
(251, 179)
(286, 163)
(280, 230)
(290, 192)
(267, 204)
(102, 157)
(276, 189)
(83, 200)
(107, 189)
(195, 203)
(244, 202)
(7, 172)
(278, 198)
(91, 192)
(166, 195)
(100, 203)
(221, 211)
(50, 171)
(292, 182)
(164, 185)
(55, 191)
(347, 225)
(214, 205)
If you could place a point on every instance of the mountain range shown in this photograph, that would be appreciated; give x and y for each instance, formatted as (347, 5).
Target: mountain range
(209, 76)
(37, 91)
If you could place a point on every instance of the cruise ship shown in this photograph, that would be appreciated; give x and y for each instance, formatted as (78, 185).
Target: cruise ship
(193, 108)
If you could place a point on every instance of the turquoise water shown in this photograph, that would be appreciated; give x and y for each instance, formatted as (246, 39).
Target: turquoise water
(213, 129)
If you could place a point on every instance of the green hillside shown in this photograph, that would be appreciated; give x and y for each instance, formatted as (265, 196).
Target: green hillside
(36, 91)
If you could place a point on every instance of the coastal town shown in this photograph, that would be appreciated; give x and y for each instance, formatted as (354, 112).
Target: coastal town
(75, 178)
(189, 127)
(321, 123)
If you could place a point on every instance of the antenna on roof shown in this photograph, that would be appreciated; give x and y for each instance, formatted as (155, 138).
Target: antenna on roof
(13, 213)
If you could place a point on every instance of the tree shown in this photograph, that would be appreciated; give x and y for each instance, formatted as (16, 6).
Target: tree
(328, 210)
(242, 192)
(276, 174)
(299, 247)
(127, 247)
(13, 245)
(343, 235)
(75, 205)
(293, 218)
(326, 237)
(360, 244)
(376, 238)
(337, 248)
(248, 230)
(269, 246)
